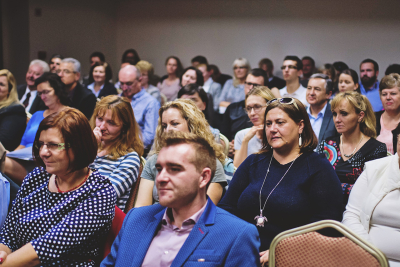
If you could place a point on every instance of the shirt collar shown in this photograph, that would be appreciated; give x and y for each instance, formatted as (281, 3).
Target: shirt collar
(168, 217)
(321, 112)
(138, 95)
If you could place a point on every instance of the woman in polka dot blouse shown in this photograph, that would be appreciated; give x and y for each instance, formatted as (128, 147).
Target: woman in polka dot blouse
(63, 210)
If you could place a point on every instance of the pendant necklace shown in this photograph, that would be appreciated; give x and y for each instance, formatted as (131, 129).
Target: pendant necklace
(352, 154)
(260, 219)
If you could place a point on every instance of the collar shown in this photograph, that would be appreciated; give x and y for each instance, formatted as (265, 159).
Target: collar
(139, 94)
(91, 86)
(321, 112)
(168, 217)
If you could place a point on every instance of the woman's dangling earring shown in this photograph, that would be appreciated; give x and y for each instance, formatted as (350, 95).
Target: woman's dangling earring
(300, 141)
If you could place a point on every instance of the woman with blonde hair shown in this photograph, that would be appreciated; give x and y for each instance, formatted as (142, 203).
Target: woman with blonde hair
(120, 145)
(249, 140)
(355, 122)
(12, 113)
(147, 71)
(180, 115)
(233, 90)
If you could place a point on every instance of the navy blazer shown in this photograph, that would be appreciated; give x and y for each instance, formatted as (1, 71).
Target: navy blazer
(37, 104)
(328, 128)
(219, 237)
(84, 100)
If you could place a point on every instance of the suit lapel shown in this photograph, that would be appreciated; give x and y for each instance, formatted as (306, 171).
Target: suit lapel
(325, 121)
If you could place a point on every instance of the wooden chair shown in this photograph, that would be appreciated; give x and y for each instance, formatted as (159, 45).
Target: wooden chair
(303, 246)
(132, 197)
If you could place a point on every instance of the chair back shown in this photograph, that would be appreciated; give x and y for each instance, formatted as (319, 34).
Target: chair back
(133, 194)
(303, 246)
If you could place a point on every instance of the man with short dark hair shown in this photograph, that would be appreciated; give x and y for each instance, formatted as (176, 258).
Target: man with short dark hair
(308, 70)
(319, 91)
(273, 81)
(197, 60)
(369, 71)
(186, 228)
(292, 69)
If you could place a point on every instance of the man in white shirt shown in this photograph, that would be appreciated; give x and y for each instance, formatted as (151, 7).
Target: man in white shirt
(27, 92)
(292, 70)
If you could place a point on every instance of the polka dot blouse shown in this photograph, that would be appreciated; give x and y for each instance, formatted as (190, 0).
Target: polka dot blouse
(65, 229)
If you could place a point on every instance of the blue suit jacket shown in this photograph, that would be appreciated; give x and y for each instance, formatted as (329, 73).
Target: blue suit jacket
(328, 128)
(219, 237)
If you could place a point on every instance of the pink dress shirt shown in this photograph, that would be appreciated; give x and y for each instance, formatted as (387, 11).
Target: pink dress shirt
(386, 137)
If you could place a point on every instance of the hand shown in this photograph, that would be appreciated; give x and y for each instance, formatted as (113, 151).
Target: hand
(97, 134)
(3, 256)
(264, 257)
(253, 131)
(231, 149)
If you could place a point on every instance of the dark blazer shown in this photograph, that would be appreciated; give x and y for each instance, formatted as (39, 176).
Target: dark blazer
(276, 82)
(108, 89)
(12, 125)
(37, 104)
(84, 100)
(328, 128)
(219, 237)
(234, 120)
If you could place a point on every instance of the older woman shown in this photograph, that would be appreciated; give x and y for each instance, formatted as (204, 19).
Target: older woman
(180, 115)
(12, 113)
(63, 209)
(120, 145)
(233, 90)
(147, 71)
(355, 122)
(348, 81)
(389, 118)
(373, 208)
(99, 80)
(286, 184)
(249, 140)
(170, 85)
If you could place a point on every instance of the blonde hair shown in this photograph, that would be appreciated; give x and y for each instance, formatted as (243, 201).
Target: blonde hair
(360, 103)
(143, 65)
(196, 122)
(261, 91)
(240, 62)
(130, 138)
(12, 89)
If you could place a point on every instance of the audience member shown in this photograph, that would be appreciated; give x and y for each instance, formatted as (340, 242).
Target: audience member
(99, 77)
(12, 113)
(308, 70)
(147, 71)
(145, 107)
(328, 70)
(197, 60)
(298, 187)
(372, 211)
(273, 81)
(319, 91)
(130, 56)
(55, 61)
(339, 67)
(54, 95)
(348, 81)
(63, 209)
(191, 75)
(355, 122)
(393, 68)
(369, 71)
(235, 118)
(119, 145)
(170, 85)
(180, 115)
(388, 119)
(185, 228)
(210, 86)
(27, 92)
(81, 98)
(217, 76)
(292, 70)
(249, 141)
(233, 89)
(95, 57)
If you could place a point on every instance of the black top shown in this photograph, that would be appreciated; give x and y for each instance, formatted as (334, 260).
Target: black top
(108, 89)
(234, 120)
(276, 82)
(378, 116)
(84, 100)
(37, 104)
(12, 125)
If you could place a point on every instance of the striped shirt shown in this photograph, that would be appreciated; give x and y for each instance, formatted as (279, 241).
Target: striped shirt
(122, 173)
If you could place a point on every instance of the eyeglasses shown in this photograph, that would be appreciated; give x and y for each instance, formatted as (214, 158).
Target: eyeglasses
(53, 147)
(241, 67)
(44, 92)
(289, 66)
(65, 71)
(252, 84)
(256, 108)
(128, 84)
(285, 100)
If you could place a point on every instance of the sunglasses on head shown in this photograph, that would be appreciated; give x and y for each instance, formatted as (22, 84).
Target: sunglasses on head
(284, 100)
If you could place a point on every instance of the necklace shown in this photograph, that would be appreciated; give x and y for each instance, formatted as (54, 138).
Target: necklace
(260, 219)
(79, 185)
(352, 154)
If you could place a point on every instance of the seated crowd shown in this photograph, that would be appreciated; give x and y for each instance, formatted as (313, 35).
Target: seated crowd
(193, 166)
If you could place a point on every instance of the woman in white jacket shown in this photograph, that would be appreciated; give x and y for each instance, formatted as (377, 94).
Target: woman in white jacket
(374, 204)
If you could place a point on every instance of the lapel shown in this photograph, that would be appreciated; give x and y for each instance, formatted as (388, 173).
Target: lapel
(197, 234)
(146, 238)
(325, 121)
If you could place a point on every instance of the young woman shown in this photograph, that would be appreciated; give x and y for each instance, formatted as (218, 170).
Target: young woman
(170, 85)
(348, 81)
(120, 145)
(99, 80)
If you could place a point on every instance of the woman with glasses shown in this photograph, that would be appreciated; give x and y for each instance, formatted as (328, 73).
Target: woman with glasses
(249, 140)
(52, 91)
(99, 80)
(286, 184)
(233, 90)
(355, 122)
(63, 209)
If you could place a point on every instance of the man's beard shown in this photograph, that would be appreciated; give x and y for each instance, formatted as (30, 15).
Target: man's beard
(368, 82)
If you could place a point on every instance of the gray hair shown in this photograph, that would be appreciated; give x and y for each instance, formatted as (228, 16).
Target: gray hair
(328, 82)
(133, 69)
(41, 63)
(75, 63)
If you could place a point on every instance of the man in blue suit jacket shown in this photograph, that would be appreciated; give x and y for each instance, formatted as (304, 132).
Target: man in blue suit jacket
(191, 230)
(319, 91)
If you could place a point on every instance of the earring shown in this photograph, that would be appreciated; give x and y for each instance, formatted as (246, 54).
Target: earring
(300, 141)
